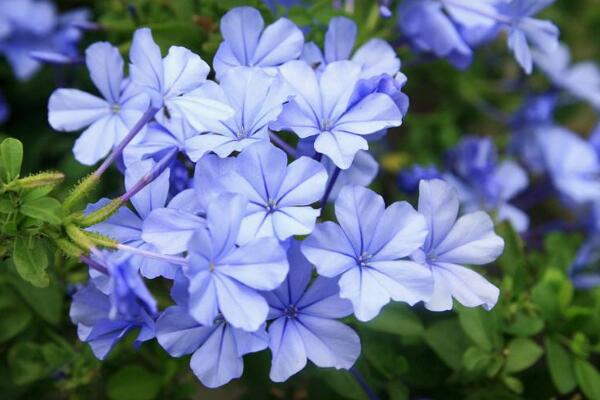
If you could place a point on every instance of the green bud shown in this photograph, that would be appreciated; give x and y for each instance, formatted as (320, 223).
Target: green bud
(100, 215)
(37, 180)
(82, 190)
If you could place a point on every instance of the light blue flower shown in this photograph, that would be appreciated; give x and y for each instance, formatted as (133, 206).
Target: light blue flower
(375, 57)
(257, 99)
(177, 83)
(246, 41)
(217, 348)
(326, 106)
(571, 163)
(305, 322)
(367, 250)
(226, 279)
(526, 31)
(279, 194)
(452, 243)
(108, 119)
(582, 79)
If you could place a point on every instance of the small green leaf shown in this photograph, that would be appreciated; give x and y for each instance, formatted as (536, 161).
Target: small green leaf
(47, 302)
(11, 158)
(513, 384)
(480, 325)
(13, 322)
(46, 209)
(31, 261)
(397, 319)
(133, 382)
(447, 340)
(525, 325)
(476, 359)
(588, 379)
(342, 383)
(560, 363)
(522, 354)
(26, 363)
(6, 206)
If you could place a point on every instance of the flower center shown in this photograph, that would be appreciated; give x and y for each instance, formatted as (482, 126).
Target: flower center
(115, 108)
(271, 205)
(326, 124)
(290, 311)
(363, 259)
(211, 266)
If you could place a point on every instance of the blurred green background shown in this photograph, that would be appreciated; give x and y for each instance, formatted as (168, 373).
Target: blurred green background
(541, 341)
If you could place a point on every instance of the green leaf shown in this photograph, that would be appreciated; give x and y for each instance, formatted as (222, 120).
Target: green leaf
(397, 319)
(522, 353)
(476, 359)
(513, 384)
(389, 363)
(11, 158)
(525, 325)
(560, 363)
(46, 302)
(31, 261)
(588, 378)
(447, 340)
(133, 382)
(26, 363)
(6, 206)
(481, 326)
(342, 383)
(13, 322)
(46, 209)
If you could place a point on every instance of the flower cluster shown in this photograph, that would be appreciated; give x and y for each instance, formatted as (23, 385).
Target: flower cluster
(244, 239)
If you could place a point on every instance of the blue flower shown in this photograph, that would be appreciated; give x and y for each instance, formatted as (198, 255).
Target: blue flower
(375, 57)
(4, 109)
(525, 31)
(452, 243)
(571, 163)
(408, 179)
(304, 322)
(126, 226)
(483, 183)
(177, 83)
(226, 279)
(367, 250)
(90, 311)
(30, 27)
(279, 194)
(582, 79)
(110, 306)
(217, 348)
(108, 119)
(245, 43)
(257, 99)
(326, 106)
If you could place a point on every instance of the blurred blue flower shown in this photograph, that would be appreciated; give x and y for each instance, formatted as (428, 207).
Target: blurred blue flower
(177, 83)
(33, 31)
(304, 322)
(217, 348)
(582, 79)
(367, 250)
(257, 99)
(246, 41)
(484, 183)
(4, 109)
(571, 163)
(326, 106)
(526, 31)
(408, 179)
(584, 271)
(225, 278)
(279, 194)
(453, 242)
(90, 310)
(108, 119)
(375, 57)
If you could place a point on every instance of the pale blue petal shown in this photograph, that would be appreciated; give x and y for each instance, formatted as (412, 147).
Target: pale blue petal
(360, 286)
(153, 195)
(97, 140)
(280, 42)
(304, 183)
(146, 67)
(375, 112)
(183, 71)
(287, 347)
(241, 306)
(339, 39)
(290, 221)
(241, 28)
(106, 69)
(377, 57)
(340, 147)
(170, 230)
(322, 299)
(71, 109)
(471, 241)
(203, 305)
(178, 333)
(438, 203)
(329, 250)
(465, 285)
